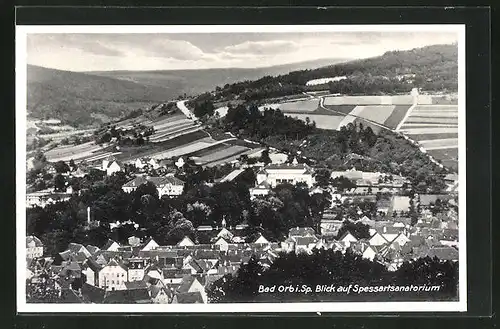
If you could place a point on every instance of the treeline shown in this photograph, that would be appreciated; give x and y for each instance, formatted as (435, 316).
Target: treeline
(248, 121)
(325, 267)
(166, 219)
(432, 68)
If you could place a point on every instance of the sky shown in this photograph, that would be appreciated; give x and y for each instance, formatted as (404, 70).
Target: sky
(82, 52)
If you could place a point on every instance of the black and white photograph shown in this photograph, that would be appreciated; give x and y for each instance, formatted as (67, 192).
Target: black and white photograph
(248, 168)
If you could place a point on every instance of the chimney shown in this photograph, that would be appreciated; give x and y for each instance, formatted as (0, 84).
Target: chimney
(88, 215)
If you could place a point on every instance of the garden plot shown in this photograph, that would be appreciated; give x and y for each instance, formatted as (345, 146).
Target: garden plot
(175, 134)
(346, 109)
(173, 129)
(330, 122)
(353, 100)
(169, 122)
(440, 120)
(351, 116)
(302, 106)
(425, 137)
(396, 116)
(376, 114)
(221, 154)
(419, 131)
(74, 152)
(180, 151)
(435, 144)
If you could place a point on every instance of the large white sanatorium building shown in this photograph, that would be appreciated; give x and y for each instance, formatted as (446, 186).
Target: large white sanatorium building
(276, 174)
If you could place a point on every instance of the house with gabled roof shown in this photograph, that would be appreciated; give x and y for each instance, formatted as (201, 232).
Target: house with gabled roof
(347, 238)
(191, 284)
(111, 167)
(226, 234)
(305, 243)
(78, 248)
(222, 243)
(188, 298)
(377, 239)
(92, 249)
(90, 269)
(113, 276)
(150, 244)
(111, 246)
(261, 240)
(160, 295)
(34, 247)
(185, 242)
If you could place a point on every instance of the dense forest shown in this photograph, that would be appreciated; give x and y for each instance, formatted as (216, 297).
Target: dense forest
(328, 266)
(385, 152)
(431, 68)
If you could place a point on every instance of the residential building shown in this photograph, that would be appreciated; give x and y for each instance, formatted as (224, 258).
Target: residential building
(45, 197)
(113, 276)
(166, 185)
(275, 174)
(34, 247)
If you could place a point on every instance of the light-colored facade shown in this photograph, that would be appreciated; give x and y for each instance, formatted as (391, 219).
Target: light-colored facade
(113, 276)
(286, 173)
(34, 247)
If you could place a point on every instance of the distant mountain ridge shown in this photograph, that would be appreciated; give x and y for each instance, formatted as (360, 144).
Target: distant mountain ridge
(83, 98)
(196, 81)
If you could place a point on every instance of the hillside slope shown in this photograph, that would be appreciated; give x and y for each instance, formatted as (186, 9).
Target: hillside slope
(80, 98)
(432, 68)
(193, 82)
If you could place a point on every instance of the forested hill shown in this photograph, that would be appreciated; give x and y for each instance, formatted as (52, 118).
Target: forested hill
(432, 68)
(79, 98)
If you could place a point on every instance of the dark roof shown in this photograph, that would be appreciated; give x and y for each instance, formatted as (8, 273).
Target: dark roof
(175, 273)
(189, 298)
(306, 240)
(136, 285)
(114, 262)
(301, 231)
(92, 294)
(71, 296)
(132, 296)
(443, 253)
(186, 283)
(108, 244)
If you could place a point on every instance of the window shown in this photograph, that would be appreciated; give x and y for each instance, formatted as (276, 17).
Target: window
(112, 281)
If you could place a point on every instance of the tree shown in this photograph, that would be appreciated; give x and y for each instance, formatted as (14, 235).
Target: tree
(61, 167)
(264, 157)
(59, 183)
(358, 230)
(322, 177)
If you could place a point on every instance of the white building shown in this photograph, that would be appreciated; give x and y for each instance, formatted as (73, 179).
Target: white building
(167, 185)
(276, 174)
(45, 197)
(113, 276)
(34, 247)
(110, 165)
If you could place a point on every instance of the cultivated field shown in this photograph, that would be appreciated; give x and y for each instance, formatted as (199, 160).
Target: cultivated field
(302, 106)
(369, 100)
(221, 154)
(76, 152)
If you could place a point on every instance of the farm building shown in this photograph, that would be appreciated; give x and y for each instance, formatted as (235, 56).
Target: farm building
(167, 185)
(276, 174)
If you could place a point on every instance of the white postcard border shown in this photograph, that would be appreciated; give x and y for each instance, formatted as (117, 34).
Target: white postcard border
(21, 91)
